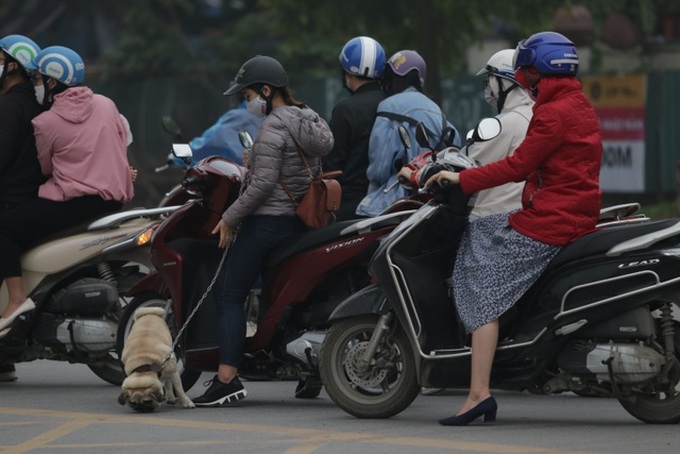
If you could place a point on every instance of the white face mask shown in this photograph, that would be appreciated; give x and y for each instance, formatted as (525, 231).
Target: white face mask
(40, 93)
(257, 106)
(490, 97)
(2, 70)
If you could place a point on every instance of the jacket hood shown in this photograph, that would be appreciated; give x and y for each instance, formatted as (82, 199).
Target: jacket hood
(517, 97)
(74, 105)
(550, 88)
(308, 129)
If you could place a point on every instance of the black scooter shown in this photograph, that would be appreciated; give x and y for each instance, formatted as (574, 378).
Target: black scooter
(598, 322)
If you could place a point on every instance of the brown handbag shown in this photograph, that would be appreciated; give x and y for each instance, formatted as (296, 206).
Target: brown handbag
(320, 201)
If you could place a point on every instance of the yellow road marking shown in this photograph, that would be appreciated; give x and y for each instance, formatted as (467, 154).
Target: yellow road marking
(303, 441)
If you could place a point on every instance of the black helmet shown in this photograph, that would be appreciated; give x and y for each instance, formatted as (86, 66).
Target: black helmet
(259, 70)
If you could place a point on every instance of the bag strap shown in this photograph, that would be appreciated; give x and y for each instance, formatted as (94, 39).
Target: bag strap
(304, 161)
(290, 195)
(413, 122)
(402, 118)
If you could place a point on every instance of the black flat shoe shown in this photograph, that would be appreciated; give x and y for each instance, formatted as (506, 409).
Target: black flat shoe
(487, 407)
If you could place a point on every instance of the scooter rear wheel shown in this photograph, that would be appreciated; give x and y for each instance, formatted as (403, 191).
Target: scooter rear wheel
(386, 387)
(660, 407)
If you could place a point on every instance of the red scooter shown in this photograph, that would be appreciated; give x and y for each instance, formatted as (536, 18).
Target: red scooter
(308, 277)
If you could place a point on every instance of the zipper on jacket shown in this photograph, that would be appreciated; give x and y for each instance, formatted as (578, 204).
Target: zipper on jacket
(539, 185)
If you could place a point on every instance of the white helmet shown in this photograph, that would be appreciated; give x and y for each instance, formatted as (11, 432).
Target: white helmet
(500, 64)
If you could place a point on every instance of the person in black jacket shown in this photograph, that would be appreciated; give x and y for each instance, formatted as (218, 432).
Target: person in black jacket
(20, 174)
(362, 60)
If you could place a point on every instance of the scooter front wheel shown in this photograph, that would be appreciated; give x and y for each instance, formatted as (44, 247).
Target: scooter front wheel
(385, 387)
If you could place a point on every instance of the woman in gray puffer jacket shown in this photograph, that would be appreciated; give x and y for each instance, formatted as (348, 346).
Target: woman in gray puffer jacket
(264, 213)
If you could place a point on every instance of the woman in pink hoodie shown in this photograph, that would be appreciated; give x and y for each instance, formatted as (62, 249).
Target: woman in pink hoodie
(81, 141)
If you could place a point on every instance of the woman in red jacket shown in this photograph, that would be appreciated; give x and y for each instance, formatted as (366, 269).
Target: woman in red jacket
(501, 256)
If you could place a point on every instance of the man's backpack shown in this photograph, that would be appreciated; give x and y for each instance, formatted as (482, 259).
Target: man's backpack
(446, 139)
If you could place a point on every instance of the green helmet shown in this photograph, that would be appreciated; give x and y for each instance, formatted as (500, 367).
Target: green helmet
(20, 48)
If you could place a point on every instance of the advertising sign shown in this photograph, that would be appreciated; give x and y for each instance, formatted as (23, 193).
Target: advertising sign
(620, 105)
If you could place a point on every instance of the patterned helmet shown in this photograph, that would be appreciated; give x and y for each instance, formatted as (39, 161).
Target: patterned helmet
(19, 47)
(549, 52)
(500, 64)
(364, 57)
(405, 61)
(60, 63)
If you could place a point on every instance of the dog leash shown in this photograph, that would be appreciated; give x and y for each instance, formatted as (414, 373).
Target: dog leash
(241, 190)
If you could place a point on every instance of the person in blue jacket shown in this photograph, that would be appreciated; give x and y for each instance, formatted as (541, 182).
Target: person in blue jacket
(221, 139)
(406, 104)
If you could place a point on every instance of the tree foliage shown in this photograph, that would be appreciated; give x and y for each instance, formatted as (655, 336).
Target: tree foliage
(155, 38)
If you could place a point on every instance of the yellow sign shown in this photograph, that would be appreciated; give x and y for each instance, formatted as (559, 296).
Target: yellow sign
(616, 91)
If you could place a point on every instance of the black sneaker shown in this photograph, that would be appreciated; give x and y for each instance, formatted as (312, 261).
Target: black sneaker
(7, 373)
(219, 394)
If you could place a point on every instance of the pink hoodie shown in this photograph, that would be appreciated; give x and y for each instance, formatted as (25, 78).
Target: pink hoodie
(81, 144)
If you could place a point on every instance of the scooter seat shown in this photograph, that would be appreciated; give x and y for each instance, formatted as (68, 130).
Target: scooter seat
(305, 240)
(601, 241)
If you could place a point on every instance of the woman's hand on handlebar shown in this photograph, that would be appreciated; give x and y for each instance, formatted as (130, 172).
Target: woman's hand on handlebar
(225, 231)
(443, 178)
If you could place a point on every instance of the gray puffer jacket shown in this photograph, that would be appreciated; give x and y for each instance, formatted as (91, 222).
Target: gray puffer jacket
(275, 156)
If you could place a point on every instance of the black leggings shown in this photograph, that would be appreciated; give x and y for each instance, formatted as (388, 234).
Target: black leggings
(26, 224)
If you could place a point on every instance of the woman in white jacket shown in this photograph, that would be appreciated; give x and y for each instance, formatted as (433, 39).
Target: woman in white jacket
(515, 110)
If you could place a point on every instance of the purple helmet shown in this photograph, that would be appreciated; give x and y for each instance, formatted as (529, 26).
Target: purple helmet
(549, 52)
(405, 61)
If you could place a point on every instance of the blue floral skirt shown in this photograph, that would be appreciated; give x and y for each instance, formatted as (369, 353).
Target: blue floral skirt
(494, 267)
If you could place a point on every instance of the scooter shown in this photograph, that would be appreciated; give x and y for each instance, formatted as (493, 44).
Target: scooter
(308, 276)
(598, 322)
(78, 280)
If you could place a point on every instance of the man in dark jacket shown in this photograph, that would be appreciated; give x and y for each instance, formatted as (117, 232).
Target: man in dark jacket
(20, 173)
(363, 60)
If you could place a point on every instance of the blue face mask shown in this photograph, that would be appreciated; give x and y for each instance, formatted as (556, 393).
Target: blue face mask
(257, 107)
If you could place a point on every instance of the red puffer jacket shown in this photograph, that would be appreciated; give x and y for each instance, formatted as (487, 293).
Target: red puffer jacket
(560, 162)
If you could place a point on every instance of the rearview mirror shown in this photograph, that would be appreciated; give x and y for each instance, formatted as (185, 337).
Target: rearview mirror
(171, 126)
(422, 135)
(405, 138)
(487, 129)
(246, 139)
(182, 150)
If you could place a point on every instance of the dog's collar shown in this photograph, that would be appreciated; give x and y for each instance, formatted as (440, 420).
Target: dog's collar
(148, 368)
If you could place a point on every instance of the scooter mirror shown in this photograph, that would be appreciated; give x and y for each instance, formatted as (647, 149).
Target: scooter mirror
(469, 136)
(487, 129)
(182, 151)
(170, 126)
(246, 139)
(405, 138)
(422, 136)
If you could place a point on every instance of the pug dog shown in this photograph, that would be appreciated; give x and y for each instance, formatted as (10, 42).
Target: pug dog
(150, 366)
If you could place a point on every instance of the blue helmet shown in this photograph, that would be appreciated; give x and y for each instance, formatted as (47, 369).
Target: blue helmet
(60, 63)
(21, 48)
(364, 57)
(549, 52)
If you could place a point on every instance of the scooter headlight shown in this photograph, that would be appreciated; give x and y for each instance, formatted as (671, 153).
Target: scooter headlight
(144, 237)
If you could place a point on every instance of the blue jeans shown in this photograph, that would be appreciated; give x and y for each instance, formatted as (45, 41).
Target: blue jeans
(256, 238)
